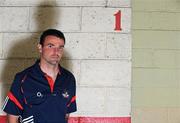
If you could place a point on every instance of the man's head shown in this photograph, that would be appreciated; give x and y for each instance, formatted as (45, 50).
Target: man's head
(52, 32)
(51, 46)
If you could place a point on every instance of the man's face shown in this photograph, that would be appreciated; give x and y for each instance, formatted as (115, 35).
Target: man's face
(52, 50)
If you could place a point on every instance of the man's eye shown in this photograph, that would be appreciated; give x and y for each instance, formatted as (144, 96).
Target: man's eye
(61, 47)
(50, 46)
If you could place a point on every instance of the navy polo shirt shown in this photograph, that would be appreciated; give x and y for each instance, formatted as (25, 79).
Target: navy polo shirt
(37, 99)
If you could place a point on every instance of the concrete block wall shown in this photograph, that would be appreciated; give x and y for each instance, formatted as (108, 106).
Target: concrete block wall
(98, 55)
(155, 81)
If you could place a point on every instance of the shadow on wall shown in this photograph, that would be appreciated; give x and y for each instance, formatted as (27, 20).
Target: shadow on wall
(20, 49)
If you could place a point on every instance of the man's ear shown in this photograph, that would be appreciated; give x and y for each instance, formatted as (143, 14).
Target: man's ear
(39, 46)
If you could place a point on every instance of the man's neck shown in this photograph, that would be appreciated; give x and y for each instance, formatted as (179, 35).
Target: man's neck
(50, 70)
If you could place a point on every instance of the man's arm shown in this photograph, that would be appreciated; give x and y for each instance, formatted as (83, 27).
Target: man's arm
(12, 118)
(66, 117)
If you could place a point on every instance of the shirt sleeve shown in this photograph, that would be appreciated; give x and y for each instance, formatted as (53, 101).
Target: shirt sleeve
(71, 107)
(13, 103)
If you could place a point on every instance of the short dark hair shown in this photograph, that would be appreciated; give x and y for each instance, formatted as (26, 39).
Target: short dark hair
(52, 32)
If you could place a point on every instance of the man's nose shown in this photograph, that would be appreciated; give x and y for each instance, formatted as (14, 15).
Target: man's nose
(56, 49)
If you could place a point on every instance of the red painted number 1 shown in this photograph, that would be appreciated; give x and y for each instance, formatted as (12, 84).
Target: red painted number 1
(118, 21)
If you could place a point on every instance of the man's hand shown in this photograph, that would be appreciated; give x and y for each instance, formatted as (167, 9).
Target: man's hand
(67, 116)
(12, 118)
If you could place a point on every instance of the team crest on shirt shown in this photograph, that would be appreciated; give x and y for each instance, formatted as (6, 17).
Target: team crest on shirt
(65, 94)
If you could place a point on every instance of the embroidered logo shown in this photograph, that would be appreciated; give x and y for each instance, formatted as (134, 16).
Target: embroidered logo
(65, 94)
(39, 94)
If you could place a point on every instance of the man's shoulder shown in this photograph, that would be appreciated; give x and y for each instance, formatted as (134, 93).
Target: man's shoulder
(66, 71)
(25, 71)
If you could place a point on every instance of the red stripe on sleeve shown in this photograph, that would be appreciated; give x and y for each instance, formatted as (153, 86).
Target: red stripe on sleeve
(13, 98)
(73, 99)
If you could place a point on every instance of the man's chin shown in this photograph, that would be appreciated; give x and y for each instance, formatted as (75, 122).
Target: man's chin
(54, 62)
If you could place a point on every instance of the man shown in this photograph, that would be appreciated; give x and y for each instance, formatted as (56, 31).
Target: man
(44, 92)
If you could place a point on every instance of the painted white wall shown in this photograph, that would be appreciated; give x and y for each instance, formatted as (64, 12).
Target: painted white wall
(99, 56)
